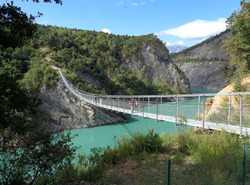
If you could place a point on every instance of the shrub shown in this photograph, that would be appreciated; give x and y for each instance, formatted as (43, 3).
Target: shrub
(153, 142)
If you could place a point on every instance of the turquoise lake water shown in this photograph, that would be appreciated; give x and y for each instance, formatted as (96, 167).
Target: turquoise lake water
(102, 136)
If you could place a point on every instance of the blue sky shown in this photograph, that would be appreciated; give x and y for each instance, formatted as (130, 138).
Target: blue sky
(185, 22)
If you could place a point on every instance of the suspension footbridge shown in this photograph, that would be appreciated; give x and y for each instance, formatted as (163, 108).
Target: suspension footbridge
(231, 115)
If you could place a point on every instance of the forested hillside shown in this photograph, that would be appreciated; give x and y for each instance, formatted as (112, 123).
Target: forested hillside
(96, 62)
(92, 60)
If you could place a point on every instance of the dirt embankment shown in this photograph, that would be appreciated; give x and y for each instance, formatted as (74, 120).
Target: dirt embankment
(222, 101)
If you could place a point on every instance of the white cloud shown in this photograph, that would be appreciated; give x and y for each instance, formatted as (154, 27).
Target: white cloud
(152, 0)
(106, 30)
(180, 43)
(120, 3)
(134, 4)
(197, 29)
(168, 43)
(176, 43)
(137, 4)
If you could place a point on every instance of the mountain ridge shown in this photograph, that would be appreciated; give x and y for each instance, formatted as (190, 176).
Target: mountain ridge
(175, 48)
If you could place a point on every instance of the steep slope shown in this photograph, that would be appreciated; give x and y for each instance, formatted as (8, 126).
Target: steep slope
(205, 64)
(154, 61)
(64, 110)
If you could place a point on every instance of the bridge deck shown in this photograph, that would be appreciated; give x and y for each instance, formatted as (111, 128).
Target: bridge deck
(123, 107)
(190, 122)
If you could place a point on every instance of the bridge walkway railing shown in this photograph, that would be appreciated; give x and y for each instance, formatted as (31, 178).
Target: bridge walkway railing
(231, 112)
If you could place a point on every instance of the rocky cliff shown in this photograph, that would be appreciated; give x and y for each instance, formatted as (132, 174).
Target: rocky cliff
(153, 60)
(207, 74)
(205, 64)
(61, 109)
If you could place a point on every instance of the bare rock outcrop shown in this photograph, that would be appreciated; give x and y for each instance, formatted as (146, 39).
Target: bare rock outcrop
(153, 60)
(61, 109)
(206, 64)
(208, 74)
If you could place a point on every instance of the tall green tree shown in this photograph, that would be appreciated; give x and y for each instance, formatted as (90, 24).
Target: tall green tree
(15, 26)
(28, 151)
(238, 47)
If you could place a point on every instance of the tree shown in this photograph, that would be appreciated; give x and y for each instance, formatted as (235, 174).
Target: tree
(238, 47)
(15, 26)
(14, 101)
(25, 158)
(27, 150)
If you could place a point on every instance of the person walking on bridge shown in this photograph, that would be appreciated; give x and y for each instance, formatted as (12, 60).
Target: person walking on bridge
(131, 103)
(136, 105)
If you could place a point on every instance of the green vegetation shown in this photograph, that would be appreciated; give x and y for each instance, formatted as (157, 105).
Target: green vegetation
(32, 154)
(239, 52)
(98, 54)
(238, 46)
(15, 28)
(27, 150)
(192, 154)
(182, 119)
(80, 52)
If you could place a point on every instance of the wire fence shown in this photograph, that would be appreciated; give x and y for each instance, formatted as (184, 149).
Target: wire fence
(230, 168)
(226, 168)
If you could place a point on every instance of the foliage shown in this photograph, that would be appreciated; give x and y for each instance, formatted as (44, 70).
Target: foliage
(96, 54)
(24, 158)
(238, 86)
(182, 119)
(13, 102)
(238, 46)
(197, 60)
(153, 142)
(126, 147)
(15, 26)
(27, 151)
(203, 144)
